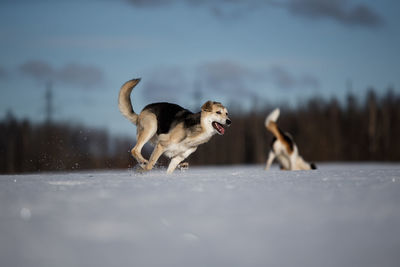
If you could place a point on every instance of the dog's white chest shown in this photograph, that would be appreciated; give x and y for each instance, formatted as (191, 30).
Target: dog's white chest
(281, 154)
(176, 149)
(180, 148)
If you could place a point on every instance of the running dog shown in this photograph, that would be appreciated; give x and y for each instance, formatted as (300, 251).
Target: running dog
(283, 147)
(174, 131)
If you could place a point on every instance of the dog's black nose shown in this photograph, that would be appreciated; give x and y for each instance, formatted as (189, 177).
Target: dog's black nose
(228, 122)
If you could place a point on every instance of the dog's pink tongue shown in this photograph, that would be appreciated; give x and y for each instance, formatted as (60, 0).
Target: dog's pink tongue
(221, 129)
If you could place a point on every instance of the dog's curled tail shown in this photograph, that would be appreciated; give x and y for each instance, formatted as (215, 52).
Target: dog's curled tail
(124, 100)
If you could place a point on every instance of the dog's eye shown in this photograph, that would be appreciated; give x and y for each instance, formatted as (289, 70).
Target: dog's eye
(218, 112)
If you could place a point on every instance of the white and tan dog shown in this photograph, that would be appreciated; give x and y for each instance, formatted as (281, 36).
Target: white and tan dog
(283, 148)
(174, 131)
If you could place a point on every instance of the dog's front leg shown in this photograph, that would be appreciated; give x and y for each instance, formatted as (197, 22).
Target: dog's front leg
(292, 163)
(174, 162)
(271, 157)
(178, 159)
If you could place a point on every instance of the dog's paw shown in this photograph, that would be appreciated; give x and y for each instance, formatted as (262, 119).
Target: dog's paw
(138, 168)
(183, 166)
(143, 164)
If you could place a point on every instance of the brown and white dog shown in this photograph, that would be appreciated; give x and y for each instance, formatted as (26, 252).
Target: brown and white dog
(174, 131)
(283, 148)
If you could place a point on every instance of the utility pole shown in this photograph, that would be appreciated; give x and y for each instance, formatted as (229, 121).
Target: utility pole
(349, 86)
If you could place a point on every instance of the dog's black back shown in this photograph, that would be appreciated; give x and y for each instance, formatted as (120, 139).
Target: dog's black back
(168, 115)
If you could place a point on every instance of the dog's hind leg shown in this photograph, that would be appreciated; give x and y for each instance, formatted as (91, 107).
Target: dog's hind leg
(271, 157)
(157, 152)
(147, 128)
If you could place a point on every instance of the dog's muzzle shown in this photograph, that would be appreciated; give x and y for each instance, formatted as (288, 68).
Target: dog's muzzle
(219, 127)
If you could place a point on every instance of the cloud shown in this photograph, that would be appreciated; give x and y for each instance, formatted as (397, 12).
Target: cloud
(338, 10)
(283, 79)
(212, 80)
(227, 77)
(222, 79)
(167, 84)
(342, 11)
(84, 75)
(38, 70)
(173, 84)
(74, 74)
(150, 3)
(224, 9)
(233, 78)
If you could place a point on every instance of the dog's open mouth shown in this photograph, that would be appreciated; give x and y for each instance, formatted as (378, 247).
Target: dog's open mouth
(218, 126)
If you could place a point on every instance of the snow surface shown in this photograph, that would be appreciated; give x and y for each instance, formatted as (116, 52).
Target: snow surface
(340, 215)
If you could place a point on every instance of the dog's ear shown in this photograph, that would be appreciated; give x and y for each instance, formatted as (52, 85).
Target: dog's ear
(207, 106)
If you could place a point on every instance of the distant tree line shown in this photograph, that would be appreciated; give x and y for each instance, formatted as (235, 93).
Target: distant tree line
(324, 130)
(27, 147)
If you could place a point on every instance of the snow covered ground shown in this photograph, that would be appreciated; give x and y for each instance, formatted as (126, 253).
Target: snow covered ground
(340, 215)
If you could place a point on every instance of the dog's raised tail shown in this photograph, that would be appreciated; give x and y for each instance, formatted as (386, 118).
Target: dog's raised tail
(270, 123)
(124, 100)
(271, 119)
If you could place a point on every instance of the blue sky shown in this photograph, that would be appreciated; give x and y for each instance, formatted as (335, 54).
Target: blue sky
(233, 51)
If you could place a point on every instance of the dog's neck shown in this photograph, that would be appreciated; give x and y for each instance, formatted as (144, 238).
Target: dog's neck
(204, 131)
(206, 124)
